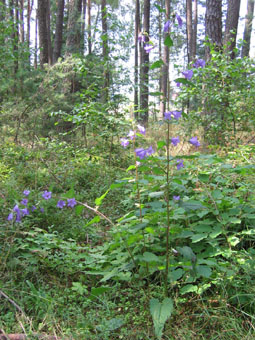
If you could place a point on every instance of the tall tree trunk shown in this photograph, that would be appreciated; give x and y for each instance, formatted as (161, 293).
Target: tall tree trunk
(22, 32)
(84, 7)
(189, 29)
(248, 29)
(194, 32)
(144, 76)
(105, 93)
(28, 29)
(59, 31)
(165, 73)
(43, 32)
(48, 22)
(136, 75)
(73, 41)
(89, 27)
(36, 34)
(231, 26)
(213, 24)
(16, 39)
(2, 9)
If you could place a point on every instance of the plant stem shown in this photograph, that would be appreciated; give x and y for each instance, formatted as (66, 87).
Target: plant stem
(167, 209)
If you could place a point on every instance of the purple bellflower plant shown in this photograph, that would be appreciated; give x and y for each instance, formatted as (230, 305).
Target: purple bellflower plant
(194, 141)
(175, 140)
(188, 74)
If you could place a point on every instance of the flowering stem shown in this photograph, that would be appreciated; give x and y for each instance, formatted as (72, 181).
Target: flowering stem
(167, 208)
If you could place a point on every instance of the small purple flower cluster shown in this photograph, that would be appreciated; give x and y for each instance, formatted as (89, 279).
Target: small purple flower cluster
(168, 24)
(140, 152)
(21, 212)
(188, 74)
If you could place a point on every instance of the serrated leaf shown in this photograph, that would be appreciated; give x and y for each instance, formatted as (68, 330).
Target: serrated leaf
(157, 64)
(168, 41)
(160, 312)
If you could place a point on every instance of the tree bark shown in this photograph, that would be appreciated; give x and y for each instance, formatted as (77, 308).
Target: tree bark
(189, 29)
(105, 92)
(43, 33)
(36, 34)
(89, 27)
(213, 25)
(136, 73)
(22, 32)
(73, 41)
(194, 32)
(231, 26)
(84, 8)
(144, 76)
(165, 69)
(59, 31)
(28, 30)
(48, 22)
(248, 29)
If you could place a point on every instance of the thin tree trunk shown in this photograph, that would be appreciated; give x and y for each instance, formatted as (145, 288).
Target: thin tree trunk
(36, 33)
(194, 32)
(73, 41)
(165, 73)
(136, 75)
(48, 22)
(89, 27)
(144, 77)
(22, 33)
(248, 29)
(59, 31)
(28, 30)
(231, 26)
(105, 93)
(189, 29)
(84, 7)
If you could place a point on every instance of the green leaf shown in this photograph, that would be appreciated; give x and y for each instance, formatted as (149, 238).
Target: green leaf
(157, 64)
(98, 201)
(96, 219)
(95, 292)
(113, 324)
(156, 194)
(160, 312)
(160, 144)
(188, 289)
(198, 237)
(233, 240)
(216, 194)
(150, 257)
(168, 41)
(187, 253)
(183, 81)
(69, 194)
(176, 274)
(192, 205)
(203, 271)
(79, 209)
(205, 178)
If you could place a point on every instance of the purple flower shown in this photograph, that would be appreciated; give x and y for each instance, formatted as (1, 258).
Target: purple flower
(179, 164)
(141, 38)
(199, 63)
(141, 129)
(42, 210)
(18, 213)
(188, 74)
(141, 153)
(71, 202)
(177, 114)
(150, 151)
(33, 208)
(26, 192)
(167, 26)
(175, 140)
(178, 84)
(10, 217)
(25, 212)
(61, 204)
(24, 201)
(176, 198)
(168, 115)
(148, 48)
(46, 195)
(131, 134)
(179, 19)
(194, 141)
(124, 142)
